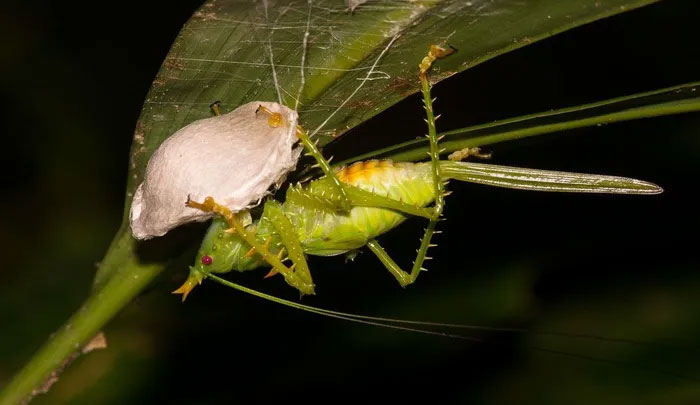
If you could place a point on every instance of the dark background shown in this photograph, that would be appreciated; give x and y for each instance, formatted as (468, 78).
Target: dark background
(73, 78)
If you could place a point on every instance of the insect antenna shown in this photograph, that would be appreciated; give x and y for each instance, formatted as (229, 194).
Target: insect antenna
(414, 327)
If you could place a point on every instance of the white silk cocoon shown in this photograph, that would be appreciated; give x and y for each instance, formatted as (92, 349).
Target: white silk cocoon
(235, 158)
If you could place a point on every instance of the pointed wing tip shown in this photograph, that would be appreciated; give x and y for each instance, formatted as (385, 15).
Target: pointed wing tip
(656, 190)
(647, 188)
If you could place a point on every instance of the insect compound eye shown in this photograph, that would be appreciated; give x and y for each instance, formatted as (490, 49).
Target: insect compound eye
(207, 260)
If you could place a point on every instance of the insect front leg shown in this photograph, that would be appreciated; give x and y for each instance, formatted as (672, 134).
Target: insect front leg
(300, 278)
(209, 205)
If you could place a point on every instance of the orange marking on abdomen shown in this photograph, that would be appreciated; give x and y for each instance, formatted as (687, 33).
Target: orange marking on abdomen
(363, 171)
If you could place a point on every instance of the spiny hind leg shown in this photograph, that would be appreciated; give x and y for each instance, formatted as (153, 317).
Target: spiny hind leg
(404, 278)
(285, 229)
(345, 196)
(363, 198)
(209, 205)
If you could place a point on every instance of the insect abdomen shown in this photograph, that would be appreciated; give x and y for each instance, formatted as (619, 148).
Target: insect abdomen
(327, 233)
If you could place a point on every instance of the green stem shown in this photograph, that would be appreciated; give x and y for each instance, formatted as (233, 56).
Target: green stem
(130, 277)
(668, 101)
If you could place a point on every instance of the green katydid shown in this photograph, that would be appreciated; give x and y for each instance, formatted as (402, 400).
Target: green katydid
(348, 208)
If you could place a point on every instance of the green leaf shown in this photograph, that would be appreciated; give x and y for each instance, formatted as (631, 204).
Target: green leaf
(354, 65)
(672, 100)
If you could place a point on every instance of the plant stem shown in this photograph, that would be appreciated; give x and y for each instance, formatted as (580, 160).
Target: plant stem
(129, 277)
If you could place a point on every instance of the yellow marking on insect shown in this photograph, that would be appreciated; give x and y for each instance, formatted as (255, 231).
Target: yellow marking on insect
(252, 251)
(274, 119)
(209, 205)
(362, 172)
(435, 52)
(273, 271)
(249, 253)
(192, 281)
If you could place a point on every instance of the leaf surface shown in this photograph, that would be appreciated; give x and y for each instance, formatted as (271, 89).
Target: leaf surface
(337, 68)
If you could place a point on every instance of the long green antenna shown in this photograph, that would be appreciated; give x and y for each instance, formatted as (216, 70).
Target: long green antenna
(367, 320)
(396, 324)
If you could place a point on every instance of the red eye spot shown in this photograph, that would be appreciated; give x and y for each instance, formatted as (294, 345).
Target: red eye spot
(206, 260)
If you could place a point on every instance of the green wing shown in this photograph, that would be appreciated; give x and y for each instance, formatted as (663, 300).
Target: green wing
(545, 180)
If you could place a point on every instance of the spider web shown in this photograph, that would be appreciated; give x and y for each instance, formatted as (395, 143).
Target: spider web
(315, 56)
(337, 68)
